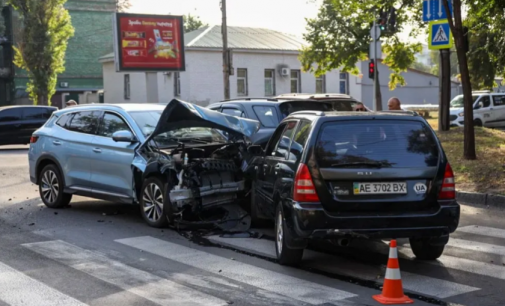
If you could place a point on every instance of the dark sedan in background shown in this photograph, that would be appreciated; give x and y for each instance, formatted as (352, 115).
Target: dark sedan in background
(17, 123)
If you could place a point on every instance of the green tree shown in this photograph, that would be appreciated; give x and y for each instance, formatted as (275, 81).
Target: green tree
(339, 37)
(435, 58)
(192, 23)
(41, 52)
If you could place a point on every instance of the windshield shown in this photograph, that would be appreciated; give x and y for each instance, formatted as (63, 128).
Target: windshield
(457, 102)
(376, 143)
(147, 121)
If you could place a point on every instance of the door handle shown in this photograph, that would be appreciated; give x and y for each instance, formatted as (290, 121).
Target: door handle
(97, 150)
(57, 143)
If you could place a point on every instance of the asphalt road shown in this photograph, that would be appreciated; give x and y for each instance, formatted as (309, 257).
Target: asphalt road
(101, 253)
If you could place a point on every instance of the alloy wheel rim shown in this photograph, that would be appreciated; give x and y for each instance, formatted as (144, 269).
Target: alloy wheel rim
(50, 186)
(280, 234)
(153, 202)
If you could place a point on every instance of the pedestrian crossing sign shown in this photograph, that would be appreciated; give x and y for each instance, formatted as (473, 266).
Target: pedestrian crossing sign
(440, 36)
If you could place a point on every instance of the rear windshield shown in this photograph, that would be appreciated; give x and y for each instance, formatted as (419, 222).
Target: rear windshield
(291, 107)
(397, 144)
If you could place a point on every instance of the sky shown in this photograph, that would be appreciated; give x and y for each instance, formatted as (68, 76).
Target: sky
(287, 16)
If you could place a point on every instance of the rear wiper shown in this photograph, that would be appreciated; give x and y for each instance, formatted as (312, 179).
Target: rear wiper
(368, 164)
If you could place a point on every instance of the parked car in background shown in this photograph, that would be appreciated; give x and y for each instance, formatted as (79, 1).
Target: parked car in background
(340, 102)
(173, 160)
(340, 175)
(17, 123)
(488, 109)
(269, 112)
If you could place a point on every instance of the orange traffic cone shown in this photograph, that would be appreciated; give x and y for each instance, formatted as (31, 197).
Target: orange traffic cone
(392, 291)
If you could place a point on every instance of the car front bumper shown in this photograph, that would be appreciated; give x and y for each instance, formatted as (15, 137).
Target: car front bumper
(312, 221)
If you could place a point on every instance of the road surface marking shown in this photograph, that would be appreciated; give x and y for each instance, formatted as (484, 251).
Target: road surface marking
(477, 246)
(141, 283)
(343, 266)
(482, 230)
(18, 289)
(285, 285)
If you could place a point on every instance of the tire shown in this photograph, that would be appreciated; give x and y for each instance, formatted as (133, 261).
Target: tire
(155, 206)
(477, 122)
(51, 187)
(424, 251)
(285, 255)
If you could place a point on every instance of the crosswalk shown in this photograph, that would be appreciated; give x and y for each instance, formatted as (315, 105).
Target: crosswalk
(216, 280)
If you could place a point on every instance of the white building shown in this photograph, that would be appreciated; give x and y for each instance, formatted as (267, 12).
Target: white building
(259, 56)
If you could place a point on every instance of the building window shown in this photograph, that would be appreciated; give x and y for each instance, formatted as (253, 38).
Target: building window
(295, 81)
(241, 81)
(177, 84)
(321, 84)
(344, 83)
(269, 82)
(127, 87)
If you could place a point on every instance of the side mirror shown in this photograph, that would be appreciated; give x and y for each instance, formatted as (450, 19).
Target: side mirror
(123, 136)
(255, 150)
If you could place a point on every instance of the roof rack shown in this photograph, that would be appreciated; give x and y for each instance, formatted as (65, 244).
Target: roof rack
(414, 113)
(250, 99)
(307, 112)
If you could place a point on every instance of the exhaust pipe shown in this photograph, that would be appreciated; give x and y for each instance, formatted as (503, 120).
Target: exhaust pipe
(343, 242)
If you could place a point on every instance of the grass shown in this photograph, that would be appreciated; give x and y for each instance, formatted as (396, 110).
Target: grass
(487, 173)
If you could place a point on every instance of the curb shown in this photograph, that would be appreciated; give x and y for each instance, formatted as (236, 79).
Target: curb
(480, 198)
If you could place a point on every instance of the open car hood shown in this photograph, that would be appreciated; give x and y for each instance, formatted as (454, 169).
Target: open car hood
(179, 114)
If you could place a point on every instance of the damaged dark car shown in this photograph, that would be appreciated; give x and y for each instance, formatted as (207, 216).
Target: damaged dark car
(184, 164)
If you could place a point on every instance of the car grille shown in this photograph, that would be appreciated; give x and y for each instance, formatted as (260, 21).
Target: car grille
(453, 117)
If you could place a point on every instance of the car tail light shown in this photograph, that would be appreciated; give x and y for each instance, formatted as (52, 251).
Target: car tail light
(448, 191)
(304, 190)
(34, 139)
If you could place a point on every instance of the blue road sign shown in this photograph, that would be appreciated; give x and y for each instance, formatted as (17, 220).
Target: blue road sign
(435, 10)
(440, 35)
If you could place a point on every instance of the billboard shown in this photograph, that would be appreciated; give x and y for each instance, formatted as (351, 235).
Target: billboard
(148, 42)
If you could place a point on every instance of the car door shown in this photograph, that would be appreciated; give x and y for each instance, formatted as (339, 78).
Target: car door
(111, 171)
(10, 125)
(274, 168)
(74, 148)
(485, 111)
(33, 119)
(499, 110)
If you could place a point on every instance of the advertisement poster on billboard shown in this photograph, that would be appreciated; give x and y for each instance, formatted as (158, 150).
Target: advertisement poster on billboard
(149, 42)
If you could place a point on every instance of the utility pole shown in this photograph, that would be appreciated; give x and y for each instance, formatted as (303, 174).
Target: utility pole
(375, 38)
(226, 55)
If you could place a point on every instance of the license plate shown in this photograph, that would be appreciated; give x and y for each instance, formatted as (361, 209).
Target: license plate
(379, 188)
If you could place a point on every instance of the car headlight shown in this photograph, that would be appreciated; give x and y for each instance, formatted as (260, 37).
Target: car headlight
(461, 114)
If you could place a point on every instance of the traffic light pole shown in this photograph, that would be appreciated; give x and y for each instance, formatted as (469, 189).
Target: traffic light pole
(375, 64)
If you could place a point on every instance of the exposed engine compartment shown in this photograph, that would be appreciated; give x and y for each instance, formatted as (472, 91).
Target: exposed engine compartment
(203, 177)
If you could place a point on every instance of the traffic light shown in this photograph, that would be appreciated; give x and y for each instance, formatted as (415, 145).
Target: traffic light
(371, 69)
(383, 20)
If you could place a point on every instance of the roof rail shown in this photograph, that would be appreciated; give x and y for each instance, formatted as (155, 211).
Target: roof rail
(307, 112)
(249, 99)
(414, 113)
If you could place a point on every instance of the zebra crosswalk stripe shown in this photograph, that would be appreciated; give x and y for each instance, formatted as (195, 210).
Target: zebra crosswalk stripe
(477, 246)
(281, 284)
(136, 281)
(483, 231)
(18, 289)
(414, 282)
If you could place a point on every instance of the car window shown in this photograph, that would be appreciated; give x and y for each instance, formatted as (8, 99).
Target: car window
(396, 144)
(83, 122)
(282, 149)
(299, 141)
(267, 116)
(10, 114)
(457, 102)
(112, 123)
(272, 143)
(36, 113)
(233, 111)
(499, 100)
(486, 101)
(64, 119)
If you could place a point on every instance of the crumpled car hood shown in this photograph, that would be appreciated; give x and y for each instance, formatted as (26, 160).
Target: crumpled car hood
(179, 114)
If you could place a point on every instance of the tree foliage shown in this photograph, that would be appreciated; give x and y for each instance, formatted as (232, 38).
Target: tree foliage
(435, 58)
(339, 37)
(123, 5)
(41, 52)
(192, 23)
